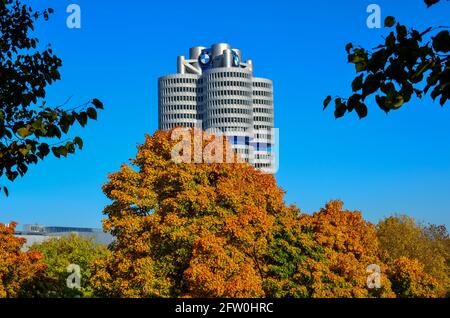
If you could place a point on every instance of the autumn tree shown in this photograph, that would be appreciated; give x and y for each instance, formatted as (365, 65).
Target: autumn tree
(294, 259)
(20, 272)
(60, 252)
(401, 236)
(409, 280)
(408, 63)
(327, 254)
(187, 229)
(30, 129)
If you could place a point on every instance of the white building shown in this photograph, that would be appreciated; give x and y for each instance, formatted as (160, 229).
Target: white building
(37, 234)
(215, 90)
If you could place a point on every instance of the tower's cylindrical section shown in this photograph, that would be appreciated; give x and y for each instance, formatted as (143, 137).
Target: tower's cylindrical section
(194, 53)
(228, 105)
(181, 68)
(263, 120)
(178, 100)
(227, 58)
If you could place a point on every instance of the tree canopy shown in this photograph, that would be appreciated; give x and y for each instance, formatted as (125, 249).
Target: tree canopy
(20, 271)
(30, 129)
(401, 236)
(60, 252)
(188, 229)
(185, 229)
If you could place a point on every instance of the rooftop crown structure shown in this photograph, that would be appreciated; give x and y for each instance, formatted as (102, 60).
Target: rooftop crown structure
(215, 90)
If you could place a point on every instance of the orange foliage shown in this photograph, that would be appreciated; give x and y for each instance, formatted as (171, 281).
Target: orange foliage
(18, 270)
(186, 229)
(223, 230)
(350, 245)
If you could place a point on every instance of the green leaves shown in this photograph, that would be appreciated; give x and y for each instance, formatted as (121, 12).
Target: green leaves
(359, 57)
(25, 72)
(67, 148)
(60, 252)
(393, 71)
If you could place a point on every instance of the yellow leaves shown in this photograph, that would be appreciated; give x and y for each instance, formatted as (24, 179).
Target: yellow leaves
(401, 236)
(409, 279)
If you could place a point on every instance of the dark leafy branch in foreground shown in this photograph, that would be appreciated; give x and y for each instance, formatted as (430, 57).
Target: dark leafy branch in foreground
(408, 63)
(30, 130)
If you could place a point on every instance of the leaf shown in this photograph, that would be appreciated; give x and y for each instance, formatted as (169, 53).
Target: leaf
(23, 132)
(92, 114)
(390, 40)
(441, 42)
(79, 142)
(56, 152)
(60, 151)
(443, 100)
(398, 102)
(12, 175)
(44, 150)
(97, 103)
(54, 131)
(353, 102)
(378, 61)
(361, 110)
(389, 21)
(64, 151)
(340, 108)
(429, 3)
(23, 151)
(348, 47)
(326, 102)
(357, 83)
(64, 123)
(371, 84)
(82, 118)
(381, 101)
(401, 31)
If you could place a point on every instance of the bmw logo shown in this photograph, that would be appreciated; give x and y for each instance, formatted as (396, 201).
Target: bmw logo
(204, 58)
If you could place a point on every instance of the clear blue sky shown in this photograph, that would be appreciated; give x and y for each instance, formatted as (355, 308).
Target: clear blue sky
(381, 165)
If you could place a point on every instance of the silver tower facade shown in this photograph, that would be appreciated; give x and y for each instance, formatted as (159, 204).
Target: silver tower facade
(215, 90)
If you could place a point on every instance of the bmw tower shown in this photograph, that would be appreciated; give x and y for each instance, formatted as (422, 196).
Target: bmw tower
(215, 90)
